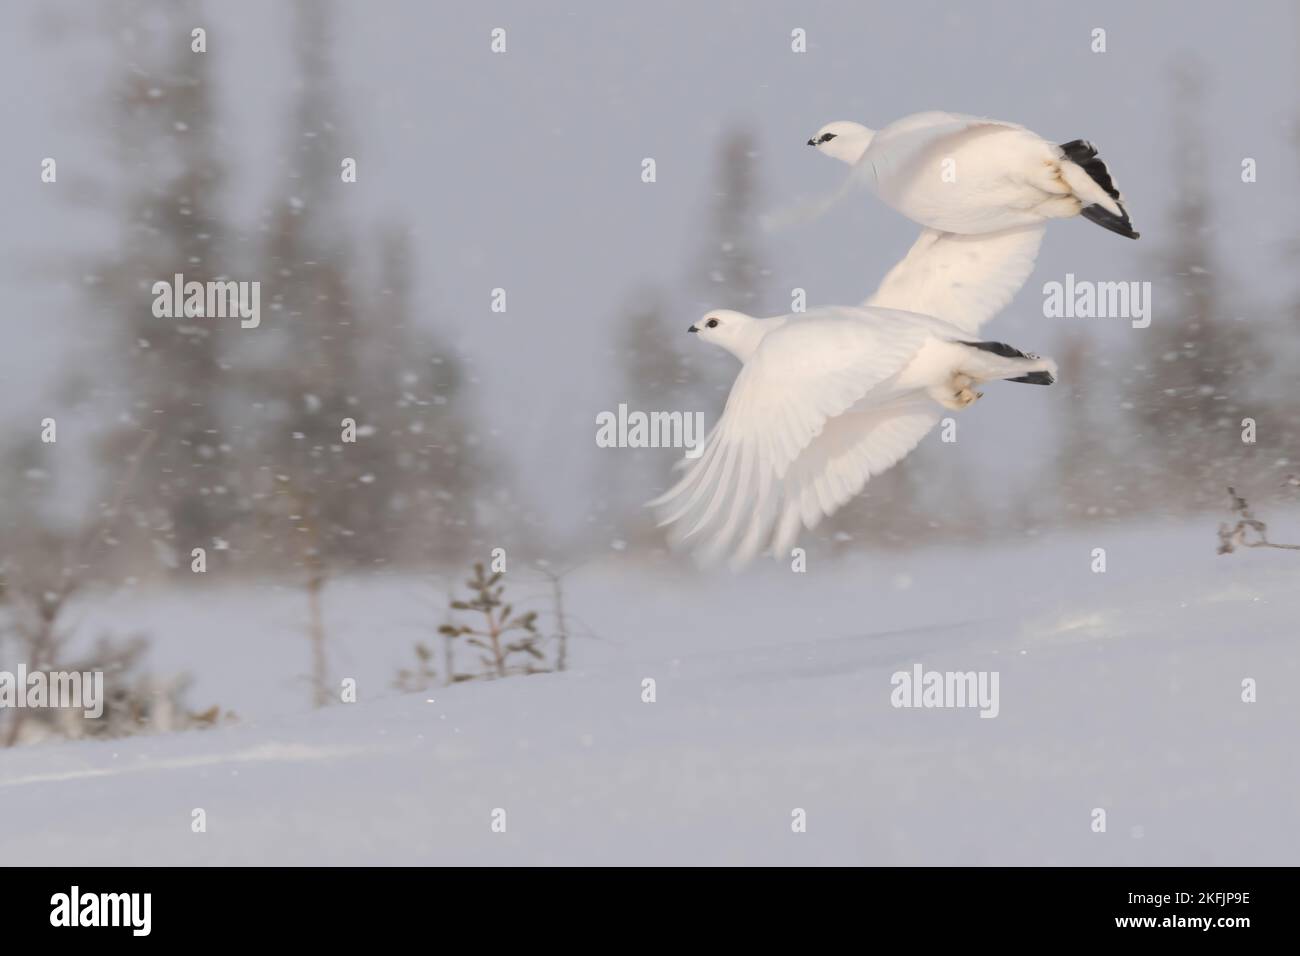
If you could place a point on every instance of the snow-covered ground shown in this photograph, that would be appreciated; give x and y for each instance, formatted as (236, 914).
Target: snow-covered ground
(1120, 690)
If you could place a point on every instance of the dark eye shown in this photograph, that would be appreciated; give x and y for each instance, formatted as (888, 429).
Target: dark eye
(827, 137)
(711, 324)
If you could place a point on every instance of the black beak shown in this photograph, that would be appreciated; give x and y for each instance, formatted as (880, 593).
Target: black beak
(692, 329)
(811, 143)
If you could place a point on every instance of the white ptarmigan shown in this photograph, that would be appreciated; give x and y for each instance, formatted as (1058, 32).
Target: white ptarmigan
(968, 175)
(823, 401)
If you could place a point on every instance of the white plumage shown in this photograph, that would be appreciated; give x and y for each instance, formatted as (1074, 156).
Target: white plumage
(969, 175)
(827, 400)
(984, 190)
(823, 402)
(964, 280)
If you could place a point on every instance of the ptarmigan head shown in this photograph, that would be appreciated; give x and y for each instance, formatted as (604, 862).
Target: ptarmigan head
(736, 332)
(842, 140)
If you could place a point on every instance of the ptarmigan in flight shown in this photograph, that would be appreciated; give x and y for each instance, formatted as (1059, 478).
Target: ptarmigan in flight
(968, 175)
(823, 401)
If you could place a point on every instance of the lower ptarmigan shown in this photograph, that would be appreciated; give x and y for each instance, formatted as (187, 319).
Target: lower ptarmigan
(824, 401)
(968, 175)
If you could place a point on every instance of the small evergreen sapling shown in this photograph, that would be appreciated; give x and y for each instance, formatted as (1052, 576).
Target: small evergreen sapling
(508, 642)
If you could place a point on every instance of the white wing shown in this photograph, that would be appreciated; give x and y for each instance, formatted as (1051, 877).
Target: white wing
(901, 147)
(935, 124)
(797, 439)
(853, 447)
(964, 280)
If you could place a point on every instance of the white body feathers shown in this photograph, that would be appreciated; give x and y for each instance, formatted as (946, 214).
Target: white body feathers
(824, 402)
(965, 174)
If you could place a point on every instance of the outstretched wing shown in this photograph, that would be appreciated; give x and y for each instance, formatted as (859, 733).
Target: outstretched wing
(854, 447)
(964, 280)
(798, 435)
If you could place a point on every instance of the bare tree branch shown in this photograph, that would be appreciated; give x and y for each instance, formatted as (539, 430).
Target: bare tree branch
(1248, 532)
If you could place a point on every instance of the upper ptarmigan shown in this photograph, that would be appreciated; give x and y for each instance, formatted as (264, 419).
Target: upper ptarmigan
(969, 175)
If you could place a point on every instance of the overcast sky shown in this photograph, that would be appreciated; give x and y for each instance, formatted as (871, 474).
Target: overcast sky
(523, 170)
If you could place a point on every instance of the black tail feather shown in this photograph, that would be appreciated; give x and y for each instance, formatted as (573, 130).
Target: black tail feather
(1008, 351)
(1083, 154)
(1000, 348)
(1035, 378)
(1108, 220)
